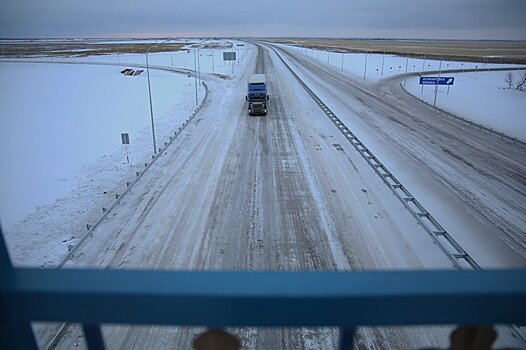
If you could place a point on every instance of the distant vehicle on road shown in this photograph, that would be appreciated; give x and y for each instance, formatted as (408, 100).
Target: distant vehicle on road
(257, 95)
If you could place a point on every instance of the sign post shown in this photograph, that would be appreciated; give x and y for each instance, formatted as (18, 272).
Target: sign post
(230, 56)
(125, 138)
(437, 81)
(436, 86)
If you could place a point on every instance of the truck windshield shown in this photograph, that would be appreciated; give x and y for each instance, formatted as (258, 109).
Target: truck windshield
(256, 98)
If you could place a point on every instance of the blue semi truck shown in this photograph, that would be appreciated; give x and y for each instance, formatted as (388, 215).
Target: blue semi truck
(257, 95)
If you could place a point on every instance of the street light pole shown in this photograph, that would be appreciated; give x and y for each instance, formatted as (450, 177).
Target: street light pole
(150, 98)
(365, 66)
(150, 91)
(195, 78)
(198, 66)
(213, 68)
(436, 86)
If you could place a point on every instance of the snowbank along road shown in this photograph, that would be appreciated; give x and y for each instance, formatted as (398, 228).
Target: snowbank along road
(289, 192)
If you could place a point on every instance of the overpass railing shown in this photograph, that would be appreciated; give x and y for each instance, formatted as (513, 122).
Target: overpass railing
(257, 299)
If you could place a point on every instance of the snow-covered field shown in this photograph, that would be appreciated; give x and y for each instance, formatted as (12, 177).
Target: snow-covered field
(481, 97)
(58, 118)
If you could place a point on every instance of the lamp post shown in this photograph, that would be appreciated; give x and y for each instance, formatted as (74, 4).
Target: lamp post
(195, 78)
(150, 91)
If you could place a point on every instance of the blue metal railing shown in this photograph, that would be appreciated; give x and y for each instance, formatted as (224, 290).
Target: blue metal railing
(260, 299)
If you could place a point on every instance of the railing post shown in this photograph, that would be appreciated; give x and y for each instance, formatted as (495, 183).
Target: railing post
(13, 334)
(93, 337)
(346, 338)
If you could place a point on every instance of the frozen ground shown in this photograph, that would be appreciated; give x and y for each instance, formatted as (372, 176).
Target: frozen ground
(481, 97)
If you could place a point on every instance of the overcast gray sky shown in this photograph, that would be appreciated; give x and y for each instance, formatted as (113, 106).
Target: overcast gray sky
(433, 19)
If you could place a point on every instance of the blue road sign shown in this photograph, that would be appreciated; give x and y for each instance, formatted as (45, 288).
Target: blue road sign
(437, 80)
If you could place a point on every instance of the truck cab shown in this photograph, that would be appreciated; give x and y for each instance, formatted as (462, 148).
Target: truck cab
(257, 95)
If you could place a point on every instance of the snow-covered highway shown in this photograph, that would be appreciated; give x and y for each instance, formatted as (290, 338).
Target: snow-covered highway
(289, 192)
(474, 183)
